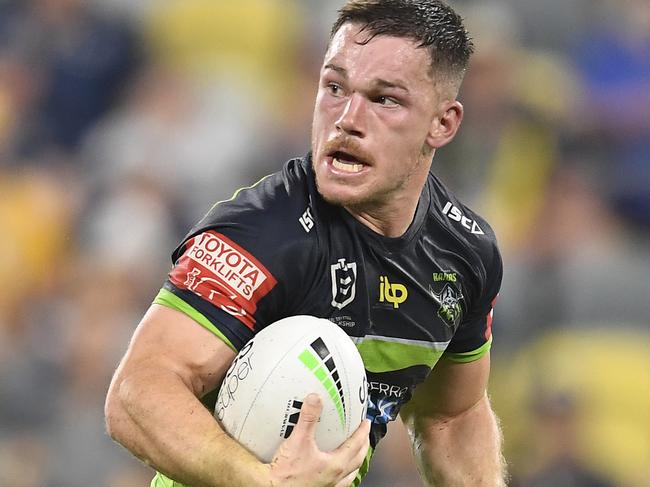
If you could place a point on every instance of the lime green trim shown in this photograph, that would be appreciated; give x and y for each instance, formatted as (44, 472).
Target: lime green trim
(363, 470)
(323, 376)
(465, 357)
(320, 374)
(308, 359)
(161, 481)
(239, 190)
(170, 300)
(385, 356)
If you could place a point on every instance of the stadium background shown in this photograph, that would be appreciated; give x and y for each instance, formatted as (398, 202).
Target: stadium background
(121, 122)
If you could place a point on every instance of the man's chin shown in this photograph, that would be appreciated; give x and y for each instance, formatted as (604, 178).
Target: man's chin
(340, 200)
(342, 195)
(336, 196)
(347, 199)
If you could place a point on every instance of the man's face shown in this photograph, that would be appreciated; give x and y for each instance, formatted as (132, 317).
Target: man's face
(375, 106)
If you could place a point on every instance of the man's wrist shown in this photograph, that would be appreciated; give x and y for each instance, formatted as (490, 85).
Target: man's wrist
(262, 476)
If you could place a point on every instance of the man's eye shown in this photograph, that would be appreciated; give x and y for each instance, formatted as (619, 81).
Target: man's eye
(334, 89)
(386, 101)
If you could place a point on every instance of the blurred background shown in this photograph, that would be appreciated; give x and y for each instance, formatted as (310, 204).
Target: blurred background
(121, 122)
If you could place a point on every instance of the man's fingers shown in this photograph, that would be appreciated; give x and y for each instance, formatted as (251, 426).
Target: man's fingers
(354, 449)
(347, 481)
(309, 415)
(359, 437)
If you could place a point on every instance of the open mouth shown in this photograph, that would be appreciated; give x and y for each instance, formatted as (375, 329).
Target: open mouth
(346, 162)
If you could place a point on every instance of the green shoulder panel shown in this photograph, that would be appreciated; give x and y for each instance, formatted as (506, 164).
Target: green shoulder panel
(386, 354)
(170, 300)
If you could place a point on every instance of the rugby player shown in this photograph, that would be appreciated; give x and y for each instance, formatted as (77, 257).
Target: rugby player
(358, 231)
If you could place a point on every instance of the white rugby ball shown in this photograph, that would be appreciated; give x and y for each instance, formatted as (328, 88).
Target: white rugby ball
(261, 395)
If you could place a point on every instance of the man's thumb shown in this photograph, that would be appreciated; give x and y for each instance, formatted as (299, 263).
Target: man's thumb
(310, 414)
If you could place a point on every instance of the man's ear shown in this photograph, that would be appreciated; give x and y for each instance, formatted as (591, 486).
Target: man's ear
(445, 125)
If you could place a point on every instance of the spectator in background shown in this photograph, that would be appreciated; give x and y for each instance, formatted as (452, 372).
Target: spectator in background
(177, 136)
(516, 100)
(613, 60)
(559, 186)
(77, 59)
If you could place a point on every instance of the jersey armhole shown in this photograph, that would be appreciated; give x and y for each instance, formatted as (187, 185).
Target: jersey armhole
(465, 357)
(170, 300)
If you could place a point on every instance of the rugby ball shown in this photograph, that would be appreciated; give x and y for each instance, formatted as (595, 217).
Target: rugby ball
(261, 395)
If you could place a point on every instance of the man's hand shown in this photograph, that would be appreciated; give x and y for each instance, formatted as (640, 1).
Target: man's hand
(152, 408)
(300, 463)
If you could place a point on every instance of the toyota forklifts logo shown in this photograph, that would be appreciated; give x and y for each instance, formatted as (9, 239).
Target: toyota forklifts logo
(344, 279)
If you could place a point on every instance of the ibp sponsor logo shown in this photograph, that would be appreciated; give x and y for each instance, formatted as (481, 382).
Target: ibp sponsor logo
(392, 293)
(227, 261)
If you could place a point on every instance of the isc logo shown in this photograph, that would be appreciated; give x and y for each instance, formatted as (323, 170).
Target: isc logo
(395, 294)
(307, 220)
(454, 213)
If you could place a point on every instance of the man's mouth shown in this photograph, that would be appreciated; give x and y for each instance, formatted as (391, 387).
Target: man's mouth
(346, 162)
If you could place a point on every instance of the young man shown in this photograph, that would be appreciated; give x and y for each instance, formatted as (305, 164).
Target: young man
(358, 231)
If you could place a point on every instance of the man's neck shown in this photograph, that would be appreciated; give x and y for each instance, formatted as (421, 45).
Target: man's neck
(390, 220)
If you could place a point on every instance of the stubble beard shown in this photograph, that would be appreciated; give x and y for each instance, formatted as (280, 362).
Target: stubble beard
(372, 197)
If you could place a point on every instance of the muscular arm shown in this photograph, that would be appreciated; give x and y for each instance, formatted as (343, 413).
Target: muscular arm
(454, 432)
(152, 407)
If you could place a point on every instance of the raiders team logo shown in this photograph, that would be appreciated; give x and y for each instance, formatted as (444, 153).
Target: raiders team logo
(450, 310)
(344, 279)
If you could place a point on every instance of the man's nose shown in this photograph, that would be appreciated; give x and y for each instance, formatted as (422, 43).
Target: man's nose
(352, 119)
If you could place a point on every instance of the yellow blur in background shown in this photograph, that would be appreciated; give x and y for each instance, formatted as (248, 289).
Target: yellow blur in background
(122, 122)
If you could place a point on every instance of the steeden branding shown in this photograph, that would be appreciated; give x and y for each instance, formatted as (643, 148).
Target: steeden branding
(239, 370)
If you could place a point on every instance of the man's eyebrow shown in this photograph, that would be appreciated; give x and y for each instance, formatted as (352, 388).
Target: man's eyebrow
(382, 83)
(379, 83)
(342, 71)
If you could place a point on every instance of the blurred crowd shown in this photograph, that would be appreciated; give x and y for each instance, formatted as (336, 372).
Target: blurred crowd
(122, 122)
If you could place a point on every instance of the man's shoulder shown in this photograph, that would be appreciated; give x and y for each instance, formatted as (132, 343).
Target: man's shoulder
(270, 216)
(268, 202)
(467, 228)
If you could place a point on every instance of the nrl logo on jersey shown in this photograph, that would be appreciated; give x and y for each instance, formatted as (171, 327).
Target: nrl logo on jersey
(450, 310)
(344, 279)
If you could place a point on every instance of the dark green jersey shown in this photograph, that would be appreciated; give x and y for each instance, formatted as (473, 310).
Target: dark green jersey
(277, 249)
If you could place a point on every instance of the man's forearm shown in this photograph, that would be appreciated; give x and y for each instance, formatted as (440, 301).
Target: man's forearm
(460, 451)
(156, 416)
